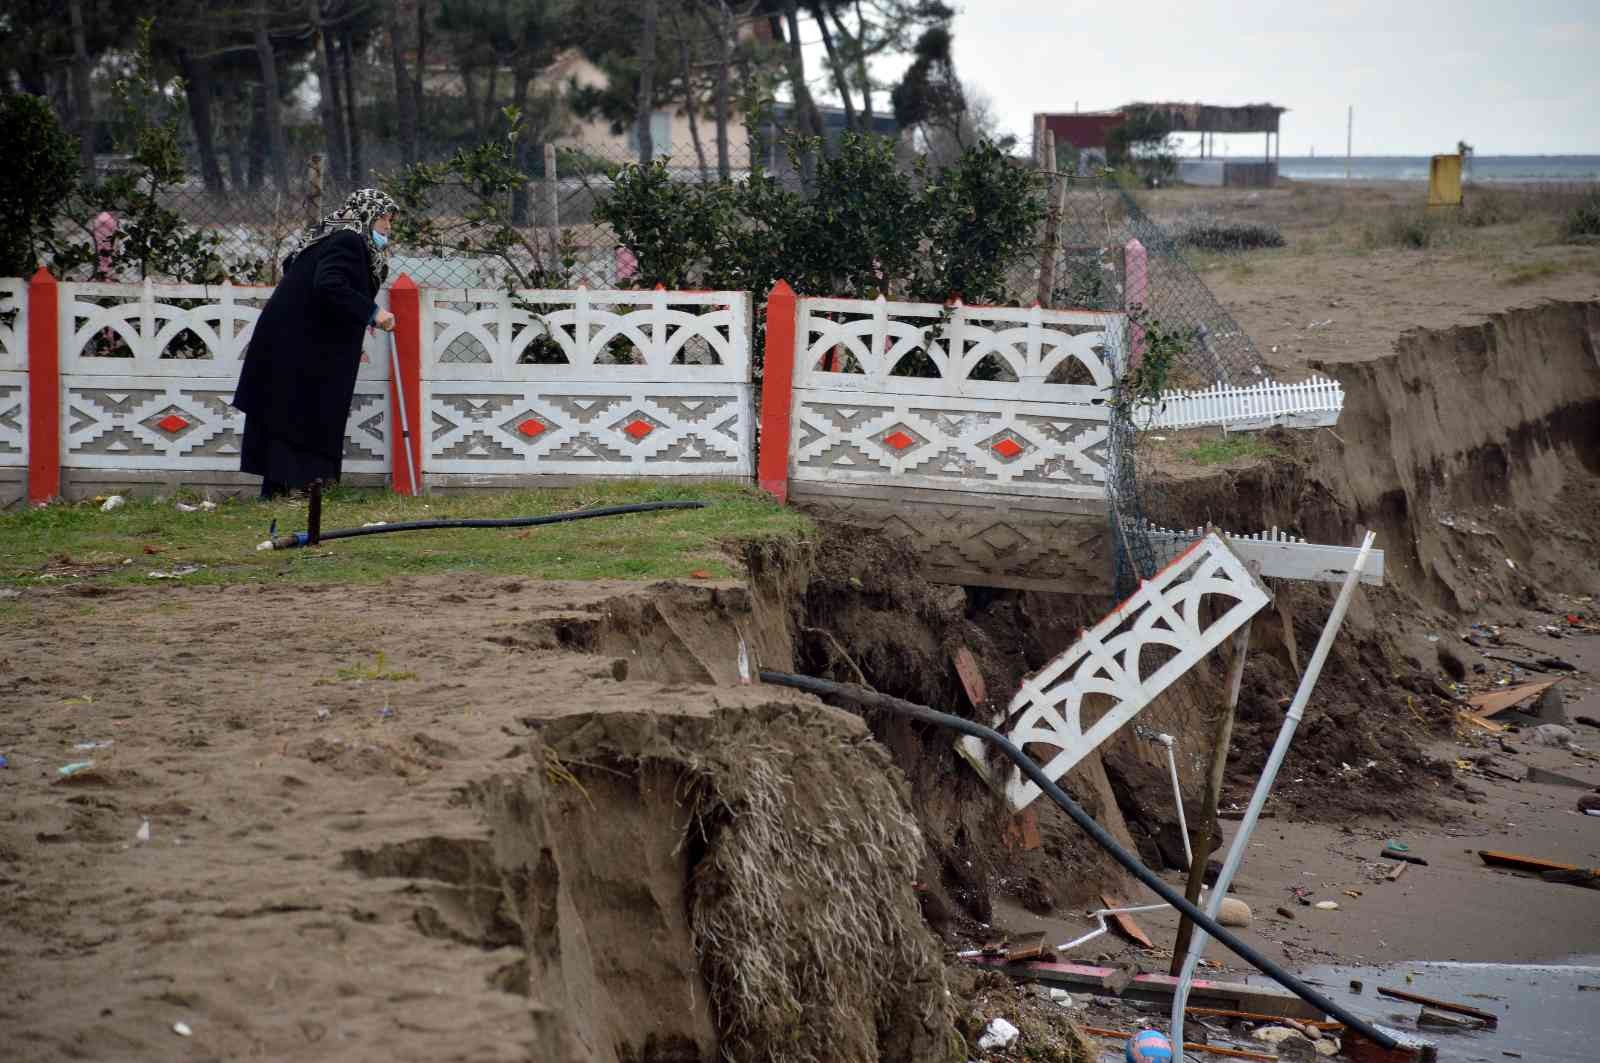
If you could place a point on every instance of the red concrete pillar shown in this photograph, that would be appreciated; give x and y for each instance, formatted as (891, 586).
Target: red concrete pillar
(405, 381)
(1136, 266)
(777, 391)
(44, 387)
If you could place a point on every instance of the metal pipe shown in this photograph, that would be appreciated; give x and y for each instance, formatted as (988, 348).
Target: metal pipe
(1269, 775)
(289, 542)
(405, 423)
(1098, 833)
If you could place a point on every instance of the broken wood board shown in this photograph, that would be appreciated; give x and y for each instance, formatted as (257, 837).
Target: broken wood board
(1125, 924)
(1253, 1016)
(1487, 1017)
(1026, 947)
(1096, 978)
(1399, 869)
(1528, 863)
(1498, 701)
(971, 677)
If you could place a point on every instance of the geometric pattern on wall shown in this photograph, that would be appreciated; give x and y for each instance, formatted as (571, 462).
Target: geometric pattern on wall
(1016, 404)
(145, 422)
(13, 419)
(1011, 446)
(642, 383)
(1125, 661)
(589, 428)
(13, 324)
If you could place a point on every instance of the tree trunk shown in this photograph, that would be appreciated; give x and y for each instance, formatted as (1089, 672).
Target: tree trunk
(691, 105)
(352, 100)
(82, 94)
(519, 195)
(841, 81)
(405, 98)
(277, 144)
(647, 82)
(725, 43)
(491, 91)
(197, 89)
(258, 137)
(861, 63)
(807, 122)
(421, 65)
(470, 94)
(328, 95)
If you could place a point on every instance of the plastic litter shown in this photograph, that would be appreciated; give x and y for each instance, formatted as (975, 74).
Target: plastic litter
(75, 767)
(144, 832)
(111, 503)
(1148, 1046)
(182, 1029)
(4, 763)
(177, 573)
(107, 744)
(184, 507)
(998, 1034)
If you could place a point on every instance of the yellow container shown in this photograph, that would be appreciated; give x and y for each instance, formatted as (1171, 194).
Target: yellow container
(1444, 181)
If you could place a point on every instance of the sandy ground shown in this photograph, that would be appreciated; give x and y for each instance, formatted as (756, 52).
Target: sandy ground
(247, 730)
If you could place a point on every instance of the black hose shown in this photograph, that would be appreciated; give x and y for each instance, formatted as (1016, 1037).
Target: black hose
(289, 542)
(1094, 830)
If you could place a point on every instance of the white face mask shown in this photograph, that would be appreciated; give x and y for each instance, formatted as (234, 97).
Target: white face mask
(379, 240)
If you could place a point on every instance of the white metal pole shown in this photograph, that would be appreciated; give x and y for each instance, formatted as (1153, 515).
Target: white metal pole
(1269, 774)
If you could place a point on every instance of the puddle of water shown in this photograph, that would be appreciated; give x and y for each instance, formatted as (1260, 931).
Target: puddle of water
(1544, 1016)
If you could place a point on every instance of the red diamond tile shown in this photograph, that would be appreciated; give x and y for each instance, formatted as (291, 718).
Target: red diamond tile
(1007, 448)
(638, 429)
(899, 440)
(172, 423)
(531, 427)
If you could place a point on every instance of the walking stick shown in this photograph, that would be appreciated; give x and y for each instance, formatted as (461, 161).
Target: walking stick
(405, 424)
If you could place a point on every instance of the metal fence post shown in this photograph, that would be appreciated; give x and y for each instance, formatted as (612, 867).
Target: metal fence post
(552, 190)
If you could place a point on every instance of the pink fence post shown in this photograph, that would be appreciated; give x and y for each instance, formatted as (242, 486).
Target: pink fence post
(1137, 287)
(44, 388)
(777, 392)
(405, 458)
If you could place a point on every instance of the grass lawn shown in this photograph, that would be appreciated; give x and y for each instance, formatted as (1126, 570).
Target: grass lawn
(77, 542)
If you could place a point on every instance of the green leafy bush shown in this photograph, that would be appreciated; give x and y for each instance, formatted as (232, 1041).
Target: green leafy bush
(1584, 221)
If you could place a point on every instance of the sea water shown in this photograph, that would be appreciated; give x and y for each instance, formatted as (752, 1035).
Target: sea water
(1488, 169)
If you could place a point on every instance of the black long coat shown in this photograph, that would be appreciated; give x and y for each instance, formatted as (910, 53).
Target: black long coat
(299, 372)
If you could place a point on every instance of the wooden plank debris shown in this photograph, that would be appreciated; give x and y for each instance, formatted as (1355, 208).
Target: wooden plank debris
(1517, 862)
(971, 677)
(1497, 701)
(1125, 924)
(1399, 869)
(1096, 978)
(1026, 947)
(1488, 1017)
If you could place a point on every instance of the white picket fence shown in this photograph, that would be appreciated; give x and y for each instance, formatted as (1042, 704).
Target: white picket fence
(1313, 403)
(1280, 555)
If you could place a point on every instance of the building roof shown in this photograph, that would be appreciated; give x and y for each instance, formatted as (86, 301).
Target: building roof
(1215, 118)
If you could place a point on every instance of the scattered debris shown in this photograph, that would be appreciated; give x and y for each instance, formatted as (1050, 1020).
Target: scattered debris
(75, 767)
(1398, 870)
(1356, 985)
(1125, 924)
(1022, 831)
(1326, 906)
(184, 507)
(1516, 862)
(182, 1029)
(1438, 1020)
(176, 573)
(1061, 996)
(1286, 913)
(1391, 852)
(998, 1034)
(144, 832)
(111, 503)
(1489, 1018)
(1027, 947)
(1589, 804)
(106, 744)
(4, 763)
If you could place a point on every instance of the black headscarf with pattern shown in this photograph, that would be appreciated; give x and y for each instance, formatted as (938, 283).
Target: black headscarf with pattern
(364, 207)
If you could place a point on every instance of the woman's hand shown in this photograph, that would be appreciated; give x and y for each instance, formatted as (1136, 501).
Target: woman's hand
(384, 321)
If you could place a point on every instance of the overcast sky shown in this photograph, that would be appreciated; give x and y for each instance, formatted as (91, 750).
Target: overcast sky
(1511, 77)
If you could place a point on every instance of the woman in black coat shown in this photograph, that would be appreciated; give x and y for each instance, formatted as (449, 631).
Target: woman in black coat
(300, 369)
